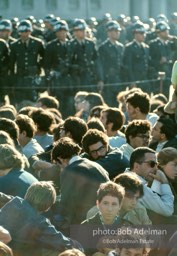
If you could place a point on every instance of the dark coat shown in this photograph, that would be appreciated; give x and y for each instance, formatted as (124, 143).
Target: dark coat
(79, 184)
(170, 143)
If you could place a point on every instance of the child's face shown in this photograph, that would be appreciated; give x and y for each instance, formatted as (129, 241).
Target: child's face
(109, 208)
(132, 252)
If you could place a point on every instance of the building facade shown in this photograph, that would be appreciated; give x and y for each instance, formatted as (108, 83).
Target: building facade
(69, 9)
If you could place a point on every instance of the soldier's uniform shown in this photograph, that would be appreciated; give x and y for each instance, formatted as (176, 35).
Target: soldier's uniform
(136, 58)
(83, 60)
(111, 56)
(25, 64)
(4, 56)
(57, 68)
(6, 30)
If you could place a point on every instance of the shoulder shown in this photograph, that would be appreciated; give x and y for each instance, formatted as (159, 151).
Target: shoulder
(36, 40)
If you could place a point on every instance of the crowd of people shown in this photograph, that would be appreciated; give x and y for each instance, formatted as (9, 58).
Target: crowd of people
(112, 163)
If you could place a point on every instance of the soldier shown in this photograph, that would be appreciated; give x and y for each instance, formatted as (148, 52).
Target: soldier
(136, 56)
(26, 62)
(56, 66)
(48, 32)
(4, 55)
(111, 55)
(83, 58)
(6, 30)
(101, 29)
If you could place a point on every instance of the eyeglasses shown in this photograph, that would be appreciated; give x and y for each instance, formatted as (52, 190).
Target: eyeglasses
(100, 150)
(143, 136)
(151, 163)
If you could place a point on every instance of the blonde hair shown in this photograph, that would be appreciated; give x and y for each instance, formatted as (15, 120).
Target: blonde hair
(5, 250)
(5, 138)
(166, 155)
(72, 252)
(41, 195)
(10, 157)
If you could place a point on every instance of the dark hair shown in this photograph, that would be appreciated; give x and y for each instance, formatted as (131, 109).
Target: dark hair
(94, 99)
(65, 148)
(27, 110)
(112, 189)
(49, 102)
(130, 181)
(168, 127)
(115, 116)
(140, 100)
(96, 111)
(7, 113)
(10, 127)
(95, 123)
(138, 155)
(43, 119)
(77, 127)
(93, 136)
(135, 127)
(26, 124)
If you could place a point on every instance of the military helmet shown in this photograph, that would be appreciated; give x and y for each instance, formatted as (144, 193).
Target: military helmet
(5, 25)
(139, 27)
(121, 18)
(49, 17)
(61, 25)
(25, 25)
(107, 16)
(162, 26)
(113, 25)
(161, 17)
(92, 21)
(79, 24)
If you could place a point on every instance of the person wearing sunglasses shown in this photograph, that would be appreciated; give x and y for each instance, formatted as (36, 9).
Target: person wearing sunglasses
(143, 162)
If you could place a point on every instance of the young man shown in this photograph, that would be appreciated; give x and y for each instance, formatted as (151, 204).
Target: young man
(96, 148)
(31, 232)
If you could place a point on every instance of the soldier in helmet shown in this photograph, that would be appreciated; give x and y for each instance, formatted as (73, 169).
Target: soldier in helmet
(136, 56)
(26, 62)
(49, 33)
(56, 65)
(6, 30)
(101, 29)
(82, 58)
(111, 56)
(15, 23)
(4, 56)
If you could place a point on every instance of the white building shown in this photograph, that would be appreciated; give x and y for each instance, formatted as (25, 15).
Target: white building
(69, 9)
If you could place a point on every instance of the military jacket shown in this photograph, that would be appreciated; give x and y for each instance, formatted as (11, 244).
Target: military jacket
(27, 58)
(136, 61)
(4, 55)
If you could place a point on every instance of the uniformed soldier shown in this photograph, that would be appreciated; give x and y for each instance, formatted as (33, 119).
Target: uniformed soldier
(82, 58)
(6, 30)
(56, 66)
(49, 33)
(4, 56)
(111, 55)
(101, 29)
(26, 62)
(136, 56)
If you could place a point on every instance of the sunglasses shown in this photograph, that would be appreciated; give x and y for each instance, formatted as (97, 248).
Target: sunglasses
(151, 163)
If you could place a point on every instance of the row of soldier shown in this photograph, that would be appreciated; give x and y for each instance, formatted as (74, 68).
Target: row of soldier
(71, 63)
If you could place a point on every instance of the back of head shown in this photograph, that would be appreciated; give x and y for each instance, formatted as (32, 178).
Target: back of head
(95, 123)
(72, 252)
(43, 119)
(10, 127)
(77, 127)
(5, 138)
(166, 155)
(140, 100)
(48, 102)
(114, 116)
(94, 99)
(41, 195)
(7, 113)
(138, 155)
(168, 127)
(26, 124)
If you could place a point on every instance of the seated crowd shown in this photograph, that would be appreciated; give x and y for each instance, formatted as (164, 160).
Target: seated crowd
(104, 167)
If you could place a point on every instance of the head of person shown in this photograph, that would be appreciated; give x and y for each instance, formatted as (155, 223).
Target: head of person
(113, 119)
(95, 144)
(41, 195)
(47, 20)
(167, 162)
(5, 250)
(72, 252)
(47, 102)
(133, 190)
(113, 30)
(138, 105)
(95, 123)
(144, 163)
(25, 29)
(162, 30)
(7, 113)
(43, 119)
(73, 127)
(11, 128)
(96, 111)
(78, 99)
(64, 150)
(10, 159)
(5, 29)
(138, 133)
(164, 129)
(79, 29)
(109, 200)
(5, 138)
(139, 31)
(91, 100)
(61, 29)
